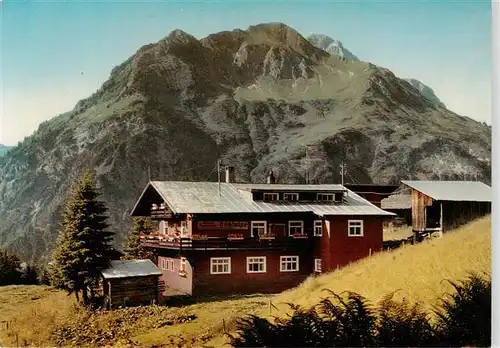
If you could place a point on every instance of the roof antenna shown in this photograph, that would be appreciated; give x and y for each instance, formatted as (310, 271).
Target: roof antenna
(342, 172)
(149, 173)
(218, 174)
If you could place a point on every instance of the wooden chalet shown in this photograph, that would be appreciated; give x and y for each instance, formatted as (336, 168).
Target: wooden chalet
(437, 206)
(131, 282)
(221, 238)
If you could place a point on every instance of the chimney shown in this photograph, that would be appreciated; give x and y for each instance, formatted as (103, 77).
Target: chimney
(270, 178)
(229, 174)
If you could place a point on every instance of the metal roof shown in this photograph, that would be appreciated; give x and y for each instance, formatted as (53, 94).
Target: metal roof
(203, 198)
(396, 202)
(290, 187)
(465, 191)
(130, 268)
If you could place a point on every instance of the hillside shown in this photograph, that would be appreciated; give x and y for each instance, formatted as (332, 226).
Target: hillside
(336, 47)
(4, 149)
(254, 98)
(426, 92)
(417, 271)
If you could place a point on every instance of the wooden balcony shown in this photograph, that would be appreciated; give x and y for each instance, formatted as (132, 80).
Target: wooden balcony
(230, 243)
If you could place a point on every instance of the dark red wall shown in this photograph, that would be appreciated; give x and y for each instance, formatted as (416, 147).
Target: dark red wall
(241, 282)
(335, 248)
(338, 249)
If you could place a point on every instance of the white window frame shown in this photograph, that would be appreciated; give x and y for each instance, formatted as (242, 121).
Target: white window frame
(354, 224)
(272, 194)
(183, 265)
(184, 231)
(295, 222)
(285, 260)
(286, 197)
(318, 228)
(163, 264)
(172, 264)
(260, 260)
(258, 223)
(163, 228)
(220, 261)
(317, 265)
(332, 195)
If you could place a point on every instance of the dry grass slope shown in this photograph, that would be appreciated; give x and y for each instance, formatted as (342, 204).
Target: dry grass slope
(417, 270)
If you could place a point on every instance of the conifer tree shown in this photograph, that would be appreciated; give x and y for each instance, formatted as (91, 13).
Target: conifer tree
(10, 268)
(133, 248)
(84, 244)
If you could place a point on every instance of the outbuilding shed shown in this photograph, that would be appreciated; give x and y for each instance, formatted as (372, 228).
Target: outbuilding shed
(444, 205)
(131, 282)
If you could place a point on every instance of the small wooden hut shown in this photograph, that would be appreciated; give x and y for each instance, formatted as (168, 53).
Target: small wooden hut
(131, 282)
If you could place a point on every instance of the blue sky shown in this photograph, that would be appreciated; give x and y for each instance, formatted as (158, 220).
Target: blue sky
(55, 53)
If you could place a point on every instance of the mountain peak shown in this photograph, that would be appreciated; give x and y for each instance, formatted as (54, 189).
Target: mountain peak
(426, 91)
(331, 46)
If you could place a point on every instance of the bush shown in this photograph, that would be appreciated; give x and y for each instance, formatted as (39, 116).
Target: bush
(10, 269)
(463, 319)
(29, 274)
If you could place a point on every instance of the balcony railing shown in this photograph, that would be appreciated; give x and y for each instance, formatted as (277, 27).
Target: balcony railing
(232, 242)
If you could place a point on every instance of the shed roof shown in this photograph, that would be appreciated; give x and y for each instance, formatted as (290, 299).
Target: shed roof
(203, 198)
(399, 201)
(464, 191)
(130, 268)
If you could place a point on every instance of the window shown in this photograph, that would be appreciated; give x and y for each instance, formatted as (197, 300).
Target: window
(326, 197)
(318, 228)
(270, 196)
(183, 265)
(295, 227)
(355, 228)
(256, 264)
(259, 228)
(184, 229)
(289, 263)
(163, 264)
(317, 265)
(172, 268)
(163, 227)
(291, 197)
(220, 265)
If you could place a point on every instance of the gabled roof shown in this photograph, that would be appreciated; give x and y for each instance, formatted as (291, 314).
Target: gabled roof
(203, 198)
(398, 201)
(130, 268)
(460, 191)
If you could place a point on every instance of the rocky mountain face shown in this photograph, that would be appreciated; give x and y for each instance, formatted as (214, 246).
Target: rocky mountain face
(331, 46)
(254, 98)
(426, 91)
(335, 47)
(3, 149)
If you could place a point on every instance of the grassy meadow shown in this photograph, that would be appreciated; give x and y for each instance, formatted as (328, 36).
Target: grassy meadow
(41, 316)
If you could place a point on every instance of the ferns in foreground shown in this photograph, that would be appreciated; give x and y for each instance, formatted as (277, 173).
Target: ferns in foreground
(464, 318)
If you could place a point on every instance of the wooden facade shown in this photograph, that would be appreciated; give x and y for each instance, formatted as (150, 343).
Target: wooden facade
(131, 282)
(431, 215)
(258, 251)
(131, 291)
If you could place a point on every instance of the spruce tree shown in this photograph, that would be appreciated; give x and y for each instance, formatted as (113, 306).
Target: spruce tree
(133, 248)
(84, 244)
